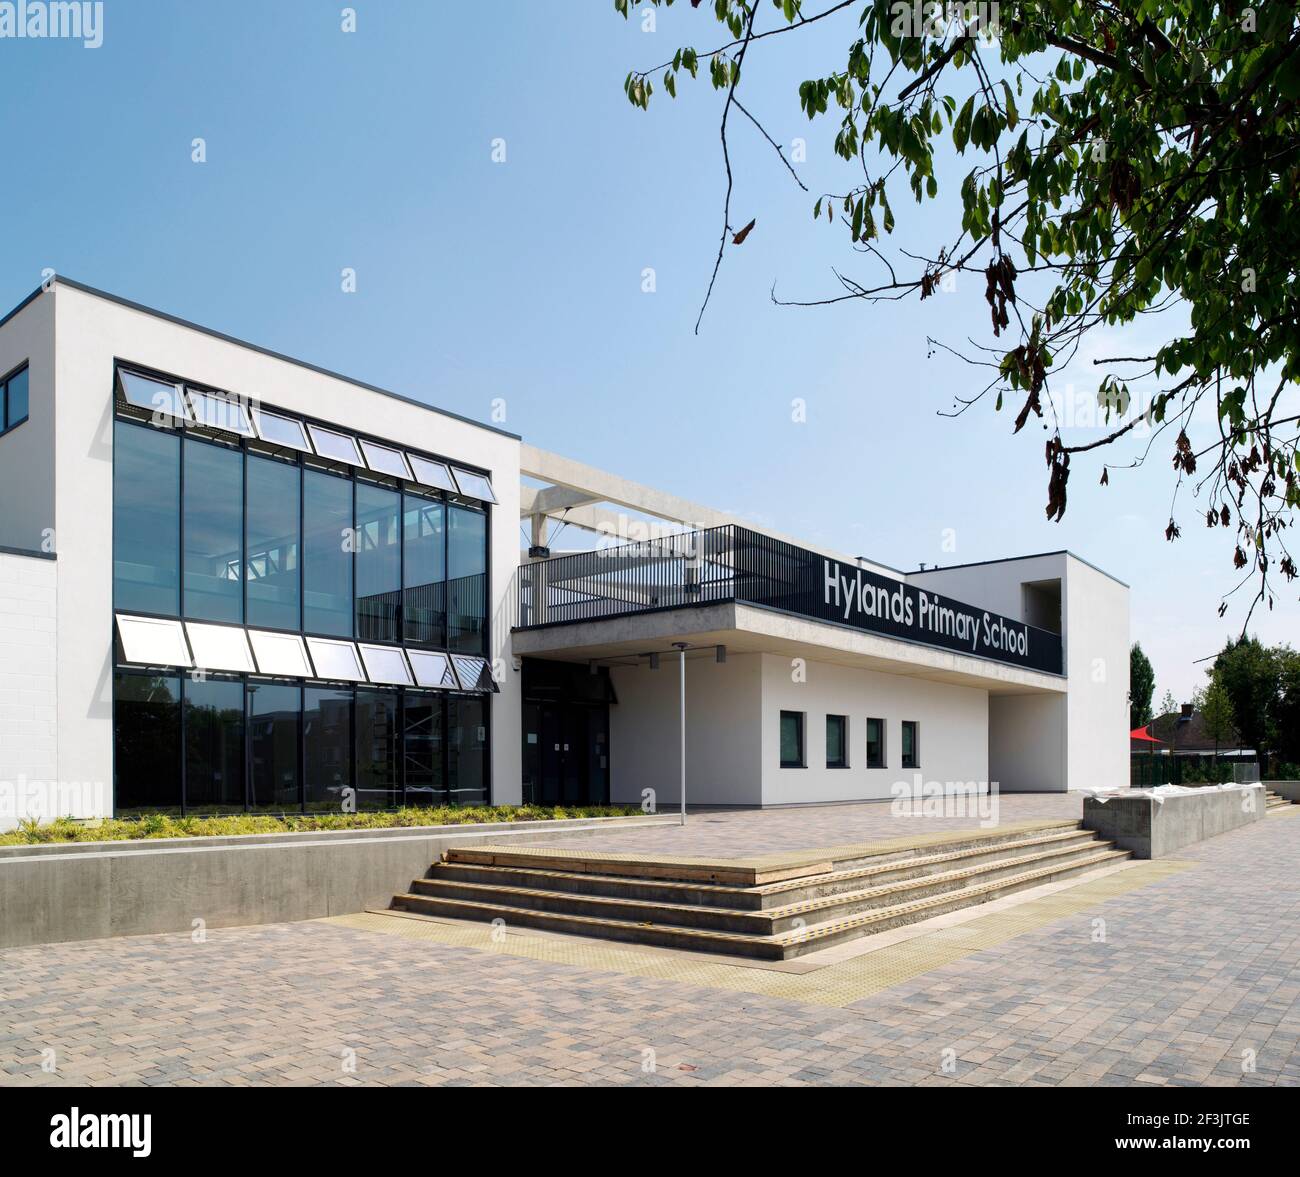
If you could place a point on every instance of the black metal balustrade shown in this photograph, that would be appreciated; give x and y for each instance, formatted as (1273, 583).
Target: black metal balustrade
(734, 564)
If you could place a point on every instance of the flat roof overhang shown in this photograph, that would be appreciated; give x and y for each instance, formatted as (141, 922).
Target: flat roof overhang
(746, 629)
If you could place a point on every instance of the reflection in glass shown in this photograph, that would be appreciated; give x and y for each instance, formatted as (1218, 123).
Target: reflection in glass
(327, 554)
(16, 390)
(422, 720)
(327, 745)
(271, 559)
(146, 519)
(424, 606)
(214, 552)
(467, 749)
(274, 716)
(378, 749)
(214, 746)
(466, 581)
(379, 564)
(146, 743)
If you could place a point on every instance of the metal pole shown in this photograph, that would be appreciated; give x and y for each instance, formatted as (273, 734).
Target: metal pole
(681, 664)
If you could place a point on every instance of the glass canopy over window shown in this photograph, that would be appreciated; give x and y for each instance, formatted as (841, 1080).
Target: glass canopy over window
(154, 396)
(281, 430)
(385, 460)
(337, 446)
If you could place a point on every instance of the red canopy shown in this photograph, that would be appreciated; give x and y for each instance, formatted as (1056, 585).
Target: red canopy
(1142, 733)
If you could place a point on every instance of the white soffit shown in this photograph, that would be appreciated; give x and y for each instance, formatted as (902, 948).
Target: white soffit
(336, 659)
(220, 647)
(280, 653)
(432, 669)
(386, 664)
(475, 486)
(152, 641)
(340, 447)
(386, 460)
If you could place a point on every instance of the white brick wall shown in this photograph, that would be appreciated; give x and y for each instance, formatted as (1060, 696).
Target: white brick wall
(28, 706)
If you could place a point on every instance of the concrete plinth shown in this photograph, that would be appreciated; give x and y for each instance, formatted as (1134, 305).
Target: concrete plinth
(1153, 823)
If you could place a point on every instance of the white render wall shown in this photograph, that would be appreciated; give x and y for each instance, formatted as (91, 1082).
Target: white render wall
(29, 767)
(953, 731)
(27, 452)
(1034, 746)
(723, 731)
(92, 332)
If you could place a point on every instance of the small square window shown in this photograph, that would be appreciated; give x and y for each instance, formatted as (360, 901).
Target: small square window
(152, 641)
(385, 460)
(432, 669)
(386, 664)
(875, 743)
(336, 659)
(911, 744)
(15, 393)
(837, 741)
(792, 739)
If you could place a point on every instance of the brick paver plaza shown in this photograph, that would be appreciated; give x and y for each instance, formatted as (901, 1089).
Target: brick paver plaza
(1160, 973)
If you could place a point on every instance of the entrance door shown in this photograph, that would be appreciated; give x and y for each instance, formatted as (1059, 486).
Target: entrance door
(568, 762)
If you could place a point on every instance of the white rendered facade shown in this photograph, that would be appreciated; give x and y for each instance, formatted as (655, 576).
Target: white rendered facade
(977, 719)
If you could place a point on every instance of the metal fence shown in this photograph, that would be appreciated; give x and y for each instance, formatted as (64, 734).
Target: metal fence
(733, 563)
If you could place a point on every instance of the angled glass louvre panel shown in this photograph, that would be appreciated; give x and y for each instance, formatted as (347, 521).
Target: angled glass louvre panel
(152, 641)
(429, 473)
(283, 431)
(474, 486)
(339, 447)
(336, 659)
(432, 669)
(220, 647)
(153, 396)
(220, 410)
(385, 460)
(474, 673)
(280, 654)
(386, 664)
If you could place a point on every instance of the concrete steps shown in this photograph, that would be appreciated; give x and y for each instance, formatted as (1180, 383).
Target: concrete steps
(621, 897)
(1274, 800)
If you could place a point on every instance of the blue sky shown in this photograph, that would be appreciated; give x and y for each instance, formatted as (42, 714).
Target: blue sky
(522, 280)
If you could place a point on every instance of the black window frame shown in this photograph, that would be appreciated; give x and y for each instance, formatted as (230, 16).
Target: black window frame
(800, 718)
(881, 760)
(914, 760)
(843, 761)
(6, 425)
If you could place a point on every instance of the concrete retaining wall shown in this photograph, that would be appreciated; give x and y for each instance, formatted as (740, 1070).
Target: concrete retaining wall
(1288, 789)
(1154, 824)
(91, 890)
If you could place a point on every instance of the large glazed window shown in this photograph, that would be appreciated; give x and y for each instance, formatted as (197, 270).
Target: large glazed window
(422, 749)
(379, 564)
(379, 749)
(274, 719)
(327, 554)
(214, 746)
(146, 743)
(271, 555)
(146, 520)
(467, 749)
(214, 545)
(466, 581)
(327, 743)
(425, 591)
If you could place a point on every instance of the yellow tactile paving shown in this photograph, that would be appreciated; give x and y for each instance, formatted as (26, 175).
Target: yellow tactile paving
(837, 984)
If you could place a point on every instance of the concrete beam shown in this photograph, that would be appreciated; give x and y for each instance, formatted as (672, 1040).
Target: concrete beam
(601, 486)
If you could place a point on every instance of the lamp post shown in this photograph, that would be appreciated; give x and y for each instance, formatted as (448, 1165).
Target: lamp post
(680, 647)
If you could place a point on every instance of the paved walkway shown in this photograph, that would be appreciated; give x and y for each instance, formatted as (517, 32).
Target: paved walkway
(1197, 981)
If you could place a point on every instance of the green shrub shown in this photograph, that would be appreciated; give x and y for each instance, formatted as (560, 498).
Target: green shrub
(160, 825)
